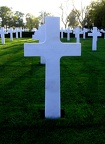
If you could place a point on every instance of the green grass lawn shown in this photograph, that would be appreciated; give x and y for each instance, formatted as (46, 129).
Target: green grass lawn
(22, 88)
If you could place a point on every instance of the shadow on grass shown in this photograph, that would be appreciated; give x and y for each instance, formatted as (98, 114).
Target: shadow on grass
(49, 132)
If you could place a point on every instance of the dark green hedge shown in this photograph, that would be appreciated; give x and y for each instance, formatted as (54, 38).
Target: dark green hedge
(24, 35)
(29, 35)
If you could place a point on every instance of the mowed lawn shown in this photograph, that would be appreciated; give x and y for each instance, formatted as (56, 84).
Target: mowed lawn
(22, 97)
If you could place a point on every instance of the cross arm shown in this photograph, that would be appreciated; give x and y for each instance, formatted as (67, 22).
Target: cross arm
(71, 49)
(33, 49)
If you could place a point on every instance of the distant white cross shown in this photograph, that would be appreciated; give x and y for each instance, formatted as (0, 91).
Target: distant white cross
(84, 32)
(20, 30)
(42, 39)
(103, 32)
(11, 31)
(3, 32)
(16, 30)
(36, 34)
(94, 34)
(40, 35)
(62, 31)
(68, 33)
(77, 31)
(43, 17)
(52, 49)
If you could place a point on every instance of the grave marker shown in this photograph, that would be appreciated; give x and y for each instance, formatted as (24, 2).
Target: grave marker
(16, 30)
(52, 49)
(11, 31)
(68, 33)
(43, 17)
(42, 39)
(62, 31)
(94, 34)
(3, 32)
(84, 32)
(40, 35)
(36, 34)
(77, 31)
(103, 32)
(20, 30)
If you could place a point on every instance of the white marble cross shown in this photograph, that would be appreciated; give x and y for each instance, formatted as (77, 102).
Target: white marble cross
(94, 34)
(43, 17)
(20, 31)
(40, 35)
(103, 32)
(42, 39)
(77, 31)
(68, 33)
(52, 49)
(62, 30)
(16, 30)
(3, 32)
(26, 30)
(36, 34)
(84, 32)
(11, 31)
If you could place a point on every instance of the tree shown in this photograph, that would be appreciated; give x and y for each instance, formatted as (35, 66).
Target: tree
(96, 14)
(32, 21)
(64, 13)
(18, 19)
(72, 19)
(80, 14)
(43, 15)
(10, 19)
(5, 15)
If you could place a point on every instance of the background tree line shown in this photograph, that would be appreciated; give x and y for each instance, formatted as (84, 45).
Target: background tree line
(8, 19)
(92, 15)
(86, 16)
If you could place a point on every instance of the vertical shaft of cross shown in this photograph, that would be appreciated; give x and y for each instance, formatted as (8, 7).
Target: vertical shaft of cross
(52, 88)
(11, 33)
(94, 43)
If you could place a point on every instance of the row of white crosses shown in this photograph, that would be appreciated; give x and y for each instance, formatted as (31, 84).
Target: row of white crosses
(16, 30)
(40, 35)
(52, 49)
(68, 31)
(94, 33)
(77, 31)
(11, 31)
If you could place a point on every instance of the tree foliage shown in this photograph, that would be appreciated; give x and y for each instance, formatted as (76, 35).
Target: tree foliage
(64, 16)
(18, 19)
(72, 19)
(5, 15)
(80, 14)
(96, 14)
(75, 16)
(42, 16)
(8, 18)
(32, 21)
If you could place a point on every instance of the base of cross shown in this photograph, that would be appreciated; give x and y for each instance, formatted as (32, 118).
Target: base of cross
(42, 113)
